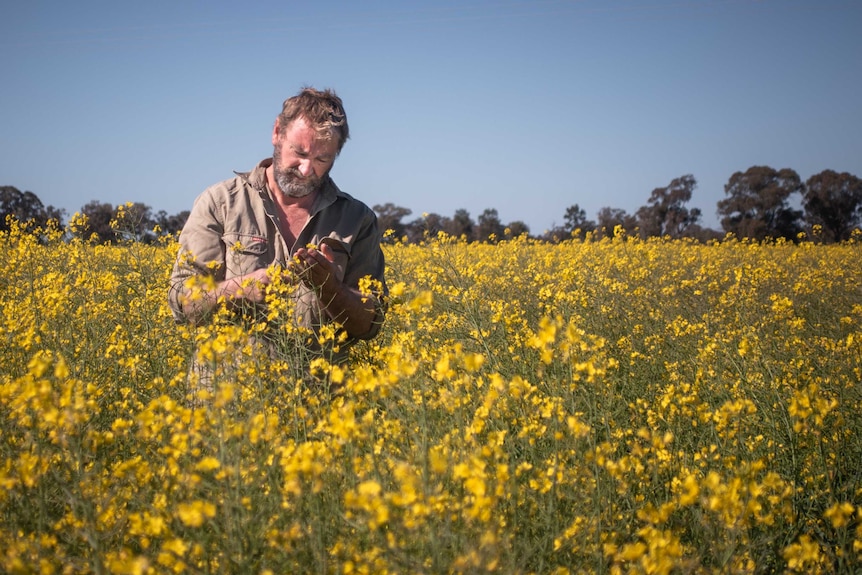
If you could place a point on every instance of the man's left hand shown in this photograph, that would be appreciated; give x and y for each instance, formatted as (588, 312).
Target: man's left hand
(316, 267)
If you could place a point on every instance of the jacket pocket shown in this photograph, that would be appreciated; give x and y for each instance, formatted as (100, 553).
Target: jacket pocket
(245, 253)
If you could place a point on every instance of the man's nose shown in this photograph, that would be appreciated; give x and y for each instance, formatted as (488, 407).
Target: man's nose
(305, 168)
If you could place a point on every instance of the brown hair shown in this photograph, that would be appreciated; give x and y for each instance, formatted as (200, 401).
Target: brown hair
(322, 109)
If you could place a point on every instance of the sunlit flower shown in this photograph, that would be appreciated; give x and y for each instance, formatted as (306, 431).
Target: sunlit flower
(195, 513)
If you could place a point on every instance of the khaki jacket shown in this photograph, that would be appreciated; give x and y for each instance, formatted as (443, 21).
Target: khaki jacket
(232, 231)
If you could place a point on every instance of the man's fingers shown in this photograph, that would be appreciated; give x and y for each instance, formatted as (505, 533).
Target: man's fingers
(327, 252)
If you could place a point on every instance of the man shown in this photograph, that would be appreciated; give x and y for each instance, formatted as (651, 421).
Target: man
(286, 218)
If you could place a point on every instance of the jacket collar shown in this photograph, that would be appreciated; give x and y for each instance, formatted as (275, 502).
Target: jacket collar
(256, 178)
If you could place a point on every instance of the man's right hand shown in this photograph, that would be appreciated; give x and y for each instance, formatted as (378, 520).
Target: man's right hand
(250, 287)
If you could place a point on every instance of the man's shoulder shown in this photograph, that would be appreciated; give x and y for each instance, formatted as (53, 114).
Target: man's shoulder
(241, 184)
(238, 184)
(352, 201)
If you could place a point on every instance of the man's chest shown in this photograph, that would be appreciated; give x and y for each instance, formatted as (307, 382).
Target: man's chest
(291, 221)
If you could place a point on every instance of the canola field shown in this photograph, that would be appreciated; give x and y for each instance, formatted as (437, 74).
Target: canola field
(614, 406)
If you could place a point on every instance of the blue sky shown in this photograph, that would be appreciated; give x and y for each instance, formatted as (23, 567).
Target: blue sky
(524, 107)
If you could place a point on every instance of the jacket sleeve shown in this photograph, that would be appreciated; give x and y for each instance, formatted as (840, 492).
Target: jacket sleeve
(201, 250)
(367, 261)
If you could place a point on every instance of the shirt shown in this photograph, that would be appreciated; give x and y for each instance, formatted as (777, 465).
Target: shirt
(232, 230)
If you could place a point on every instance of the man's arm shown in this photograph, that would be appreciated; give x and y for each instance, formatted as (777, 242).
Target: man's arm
(197, 304)
(202, 262)
(344, 304)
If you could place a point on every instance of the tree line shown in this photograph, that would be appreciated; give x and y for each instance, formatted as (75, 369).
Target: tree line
(758, 204)
(102, 222)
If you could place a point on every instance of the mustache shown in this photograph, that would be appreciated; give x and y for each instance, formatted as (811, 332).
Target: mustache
(293, 184)
(293, 174)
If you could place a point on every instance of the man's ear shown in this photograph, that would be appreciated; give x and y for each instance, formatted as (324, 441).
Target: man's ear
(275, 130)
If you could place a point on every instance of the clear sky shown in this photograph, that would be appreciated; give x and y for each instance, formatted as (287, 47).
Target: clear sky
(524, 107)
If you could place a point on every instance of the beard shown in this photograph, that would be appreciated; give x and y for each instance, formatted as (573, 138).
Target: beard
(290, 182)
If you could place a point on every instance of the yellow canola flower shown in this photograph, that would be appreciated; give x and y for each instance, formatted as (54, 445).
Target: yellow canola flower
(689, 491)
(523, 405)
(367, 497)
(195, 513)
(146, 524)
(208, 464)
(803, 556)
(422, 301)
(544, 339)
(129, 565)
(840, 514)
(176, 546)
(439, 460)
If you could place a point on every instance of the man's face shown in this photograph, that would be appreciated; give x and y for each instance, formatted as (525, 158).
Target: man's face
(301, 158)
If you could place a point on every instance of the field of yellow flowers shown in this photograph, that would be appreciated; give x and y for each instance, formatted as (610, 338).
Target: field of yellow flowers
(613, 406)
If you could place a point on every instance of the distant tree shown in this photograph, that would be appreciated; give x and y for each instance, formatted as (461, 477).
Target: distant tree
(171, 224)
(665, 213)
(460, 225)
(428, 226)
(758, 203)
(435, 223)
(576, 219)
(608, 219)
(136, 223)
(517, 228)
(702, 234)
(25, 207)
(389, 217)
(833, 201)
(489, 228)
(98, 226)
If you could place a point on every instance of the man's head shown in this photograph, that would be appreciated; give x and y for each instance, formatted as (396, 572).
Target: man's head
(322, 110)
(308, 135)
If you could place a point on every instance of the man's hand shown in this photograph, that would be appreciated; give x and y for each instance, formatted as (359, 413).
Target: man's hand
(250, 287)
(316, 267)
